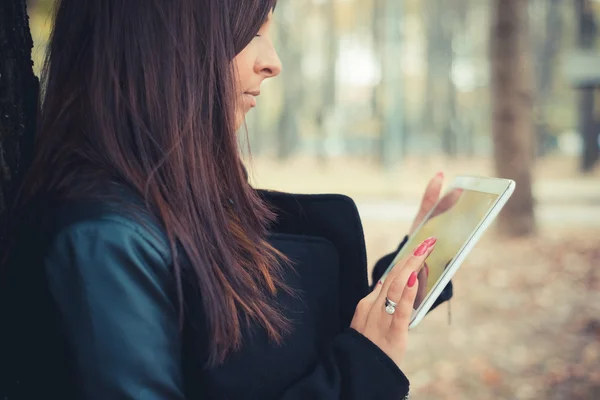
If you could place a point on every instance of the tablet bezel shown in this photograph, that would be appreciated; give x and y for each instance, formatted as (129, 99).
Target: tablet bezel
(504, 188)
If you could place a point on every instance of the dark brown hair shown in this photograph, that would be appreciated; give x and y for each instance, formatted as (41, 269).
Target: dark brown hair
(143, 91)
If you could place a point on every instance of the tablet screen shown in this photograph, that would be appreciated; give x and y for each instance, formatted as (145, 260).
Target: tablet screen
(453, 221)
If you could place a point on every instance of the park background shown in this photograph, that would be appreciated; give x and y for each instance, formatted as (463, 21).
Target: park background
(377, 96)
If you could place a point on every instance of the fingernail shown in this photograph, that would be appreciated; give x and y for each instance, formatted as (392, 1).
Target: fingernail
(412, 279)
(380, 283)
(431, 241)
(422, 249)
(440, 174)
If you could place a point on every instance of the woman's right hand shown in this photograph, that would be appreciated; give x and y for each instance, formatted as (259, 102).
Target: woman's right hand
(390, 332)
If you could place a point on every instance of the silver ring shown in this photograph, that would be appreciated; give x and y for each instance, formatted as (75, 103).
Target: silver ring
(390, 306)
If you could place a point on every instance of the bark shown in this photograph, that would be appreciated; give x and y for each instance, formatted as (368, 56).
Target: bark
(434, 34)
(329, 86)
(589, 121)
(291, 57)
(512, 108)
(389, 92)
(18, 98)
(439, 112)
(547, 46)
(378, 103)
(589, 126)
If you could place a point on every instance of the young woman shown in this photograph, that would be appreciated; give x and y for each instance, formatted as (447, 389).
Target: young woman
(142, 265)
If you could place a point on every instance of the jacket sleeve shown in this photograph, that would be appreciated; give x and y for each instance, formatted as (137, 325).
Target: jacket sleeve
(353, 368)
(111, 286)
(385, 262)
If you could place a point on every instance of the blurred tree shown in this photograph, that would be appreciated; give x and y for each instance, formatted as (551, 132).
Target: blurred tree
(291, 56)
(378, 36)
(18, 97)
(389, 93)
(329, 86)
(547, 43)
(512, 108)
(589, 123)
(440, 107)
(462, 132)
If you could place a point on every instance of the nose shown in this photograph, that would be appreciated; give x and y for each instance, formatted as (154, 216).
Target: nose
(269, 64)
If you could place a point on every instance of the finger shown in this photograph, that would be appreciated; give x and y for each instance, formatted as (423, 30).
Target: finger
(401, 318)
(427, 245)
(406, 266)
(394, 294)
(432, 191)
(422, 291)
(375, 292)
(417, 259)
(430, 197)
(447, 202)
(393, 271)
(364, 307)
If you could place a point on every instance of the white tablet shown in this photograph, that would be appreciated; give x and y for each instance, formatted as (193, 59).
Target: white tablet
(458, 220)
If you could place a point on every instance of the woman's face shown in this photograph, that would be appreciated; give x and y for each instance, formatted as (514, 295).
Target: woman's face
(257, 62)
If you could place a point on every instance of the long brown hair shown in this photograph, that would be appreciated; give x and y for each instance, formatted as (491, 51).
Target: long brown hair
(143, 90)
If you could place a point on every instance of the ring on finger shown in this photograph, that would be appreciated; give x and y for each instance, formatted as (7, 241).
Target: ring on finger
(390, 306)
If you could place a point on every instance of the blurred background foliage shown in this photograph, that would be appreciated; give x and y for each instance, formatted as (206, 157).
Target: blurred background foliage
(386, 79)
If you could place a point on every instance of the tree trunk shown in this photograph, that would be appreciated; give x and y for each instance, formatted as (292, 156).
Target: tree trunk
(434, 31)
(390, 90)
(439, 110)
(588, 121)
(329, 84)
(547, 44)
(449, 130)
(18, 98)
(589, 126)
(512, 108)
(378, 98)
(291, 57)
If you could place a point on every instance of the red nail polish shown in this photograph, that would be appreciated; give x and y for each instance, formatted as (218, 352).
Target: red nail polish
(431, 241)
(412, 279)
(422, 249)
(380, 283)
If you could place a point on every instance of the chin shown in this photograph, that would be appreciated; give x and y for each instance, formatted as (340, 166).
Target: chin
(240, 121)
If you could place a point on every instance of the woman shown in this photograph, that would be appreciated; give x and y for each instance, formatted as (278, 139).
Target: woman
(144, 266)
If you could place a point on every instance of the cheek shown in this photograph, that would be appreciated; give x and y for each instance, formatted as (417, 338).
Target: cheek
(244, 67)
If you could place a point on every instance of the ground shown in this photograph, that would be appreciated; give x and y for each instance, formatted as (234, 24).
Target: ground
(525, 320)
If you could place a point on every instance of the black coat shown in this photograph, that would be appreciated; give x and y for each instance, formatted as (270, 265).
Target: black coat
(89, 311)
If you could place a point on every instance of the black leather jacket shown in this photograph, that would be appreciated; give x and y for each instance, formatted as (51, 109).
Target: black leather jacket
(88, 310)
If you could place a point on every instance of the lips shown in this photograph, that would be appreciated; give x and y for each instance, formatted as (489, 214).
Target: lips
(250, 98)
